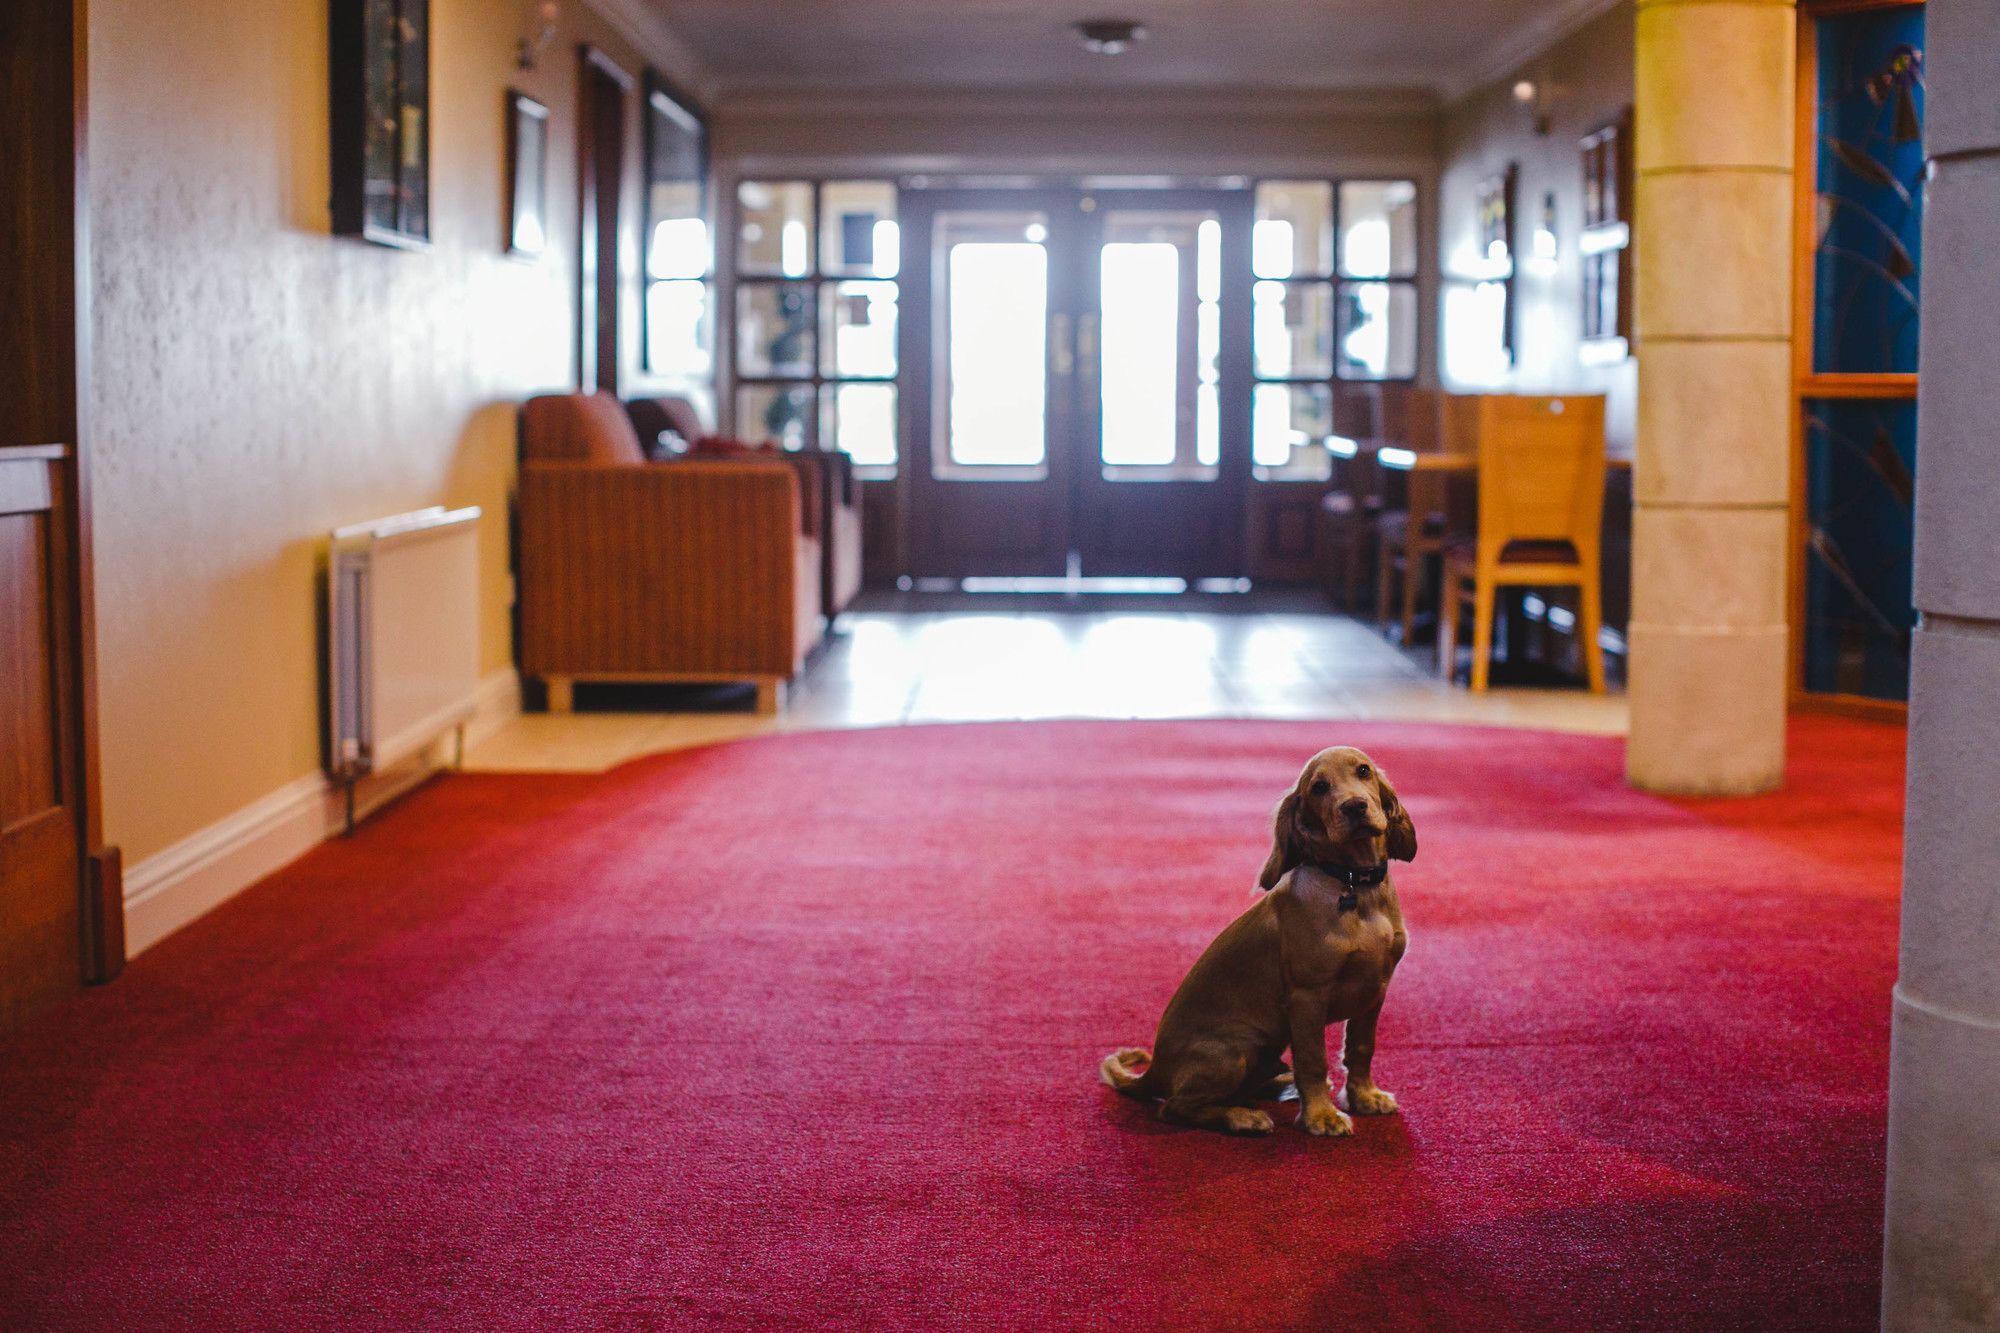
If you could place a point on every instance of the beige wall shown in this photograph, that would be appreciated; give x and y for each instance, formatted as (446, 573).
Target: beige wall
(1061, 133)
(256, 381)
(1592, 68)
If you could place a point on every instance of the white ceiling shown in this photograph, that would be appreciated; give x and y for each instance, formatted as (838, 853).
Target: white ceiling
(1445, 46)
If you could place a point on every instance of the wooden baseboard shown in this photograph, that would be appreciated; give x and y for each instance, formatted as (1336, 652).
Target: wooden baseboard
(104, 917)
(1851, 705)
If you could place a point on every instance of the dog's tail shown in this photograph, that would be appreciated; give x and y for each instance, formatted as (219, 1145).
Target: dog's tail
(1125, 1070)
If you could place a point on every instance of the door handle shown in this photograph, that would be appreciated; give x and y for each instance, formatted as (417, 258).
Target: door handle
(1063, 353)
(1086, 344)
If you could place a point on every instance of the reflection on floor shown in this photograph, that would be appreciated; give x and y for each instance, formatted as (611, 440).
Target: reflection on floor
(900, 658)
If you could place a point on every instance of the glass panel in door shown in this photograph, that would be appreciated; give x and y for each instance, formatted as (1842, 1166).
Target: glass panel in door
(991, 422)
(1158, 362)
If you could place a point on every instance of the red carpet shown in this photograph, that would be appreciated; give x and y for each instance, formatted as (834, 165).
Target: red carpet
(803, 1032)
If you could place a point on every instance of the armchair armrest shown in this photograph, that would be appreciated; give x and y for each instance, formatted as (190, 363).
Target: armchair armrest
(689, 568)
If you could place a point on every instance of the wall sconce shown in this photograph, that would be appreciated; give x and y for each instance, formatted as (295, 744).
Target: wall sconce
(541, 31)
(1539, 96)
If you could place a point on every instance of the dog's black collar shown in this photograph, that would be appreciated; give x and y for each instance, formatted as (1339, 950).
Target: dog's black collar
(1354, 877)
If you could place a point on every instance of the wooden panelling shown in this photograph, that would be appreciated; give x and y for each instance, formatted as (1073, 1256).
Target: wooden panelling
(30, 768)
(47, 777)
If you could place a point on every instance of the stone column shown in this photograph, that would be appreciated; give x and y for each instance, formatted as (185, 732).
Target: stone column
(1713, 323)
(1942, 1260)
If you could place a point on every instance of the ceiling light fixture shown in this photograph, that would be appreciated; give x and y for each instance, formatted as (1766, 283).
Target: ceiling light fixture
(1109, 37)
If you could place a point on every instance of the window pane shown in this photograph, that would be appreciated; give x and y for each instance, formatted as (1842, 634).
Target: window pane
(998, 331)
(1293, 237)
(1860, 456)
(678, 246)
(678, 330)
(859, 323)
(781, 412)
(1288, 421)
(857, 229)
(774, 329)
(774, 229)
(1292, 330)
(1378, 331)
(1378, 229)
(1140, 358)
(860, 419)
(1868, 262)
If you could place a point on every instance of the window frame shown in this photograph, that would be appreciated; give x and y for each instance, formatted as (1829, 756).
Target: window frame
(816, 281)
(1339, 282)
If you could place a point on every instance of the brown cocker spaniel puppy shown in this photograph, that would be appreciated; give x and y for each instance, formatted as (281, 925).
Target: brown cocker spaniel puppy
(1318, 949)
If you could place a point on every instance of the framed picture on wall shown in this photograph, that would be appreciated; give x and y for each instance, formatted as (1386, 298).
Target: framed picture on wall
(527, 176)
(1496, 244)
(1606, 239)
(379, 78)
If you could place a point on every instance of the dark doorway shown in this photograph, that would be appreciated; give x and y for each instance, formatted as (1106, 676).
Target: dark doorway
(605, 89)
(61, 915)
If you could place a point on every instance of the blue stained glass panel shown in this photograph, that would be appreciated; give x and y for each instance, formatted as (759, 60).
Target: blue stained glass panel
(1861, 458)
(1868, 258)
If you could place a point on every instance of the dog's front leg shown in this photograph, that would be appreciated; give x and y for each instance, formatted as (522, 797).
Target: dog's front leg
(1317, 1113)
(1361, 1096)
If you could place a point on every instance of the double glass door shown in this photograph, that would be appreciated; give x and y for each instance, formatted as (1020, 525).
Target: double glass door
(1074, 402)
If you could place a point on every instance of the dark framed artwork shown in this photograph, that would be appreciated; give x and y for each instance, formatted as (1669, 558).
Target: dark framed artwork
(1606, 239)
(527, 176)
(1496, 242)
(379, 78)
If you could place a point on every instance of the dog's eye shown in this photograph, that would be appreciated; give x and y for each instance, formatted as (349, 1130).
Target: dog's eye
(1364, 772)
(1319, 787)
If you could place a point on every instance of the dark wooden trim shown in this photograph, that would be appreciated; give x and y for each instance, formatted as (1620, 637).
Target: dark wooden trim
(104, 915)
(594, 69)
(594, 57)
(1818, 384)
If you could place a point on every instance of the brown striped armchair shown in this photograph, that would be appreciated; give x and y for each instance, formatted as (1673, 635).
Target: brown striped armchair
(629, 570)
(831, 489)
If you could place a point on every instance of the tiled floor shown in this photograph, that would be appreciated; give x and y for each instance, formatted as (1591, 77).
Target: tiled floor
(907, 658)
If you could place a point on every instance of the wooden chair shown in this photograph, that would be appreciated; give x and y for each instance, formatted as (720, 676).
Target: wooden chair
(1541, 511)
(1410, 534)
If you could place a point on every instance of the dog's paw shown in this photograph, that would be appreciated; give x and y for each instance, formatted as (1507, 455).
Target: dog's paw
(1368, 1101)
(1322, 1119)
(1247, 1120)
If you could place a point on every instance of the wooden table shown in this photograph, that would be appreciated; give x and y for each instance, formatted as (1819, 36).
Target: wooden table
(1398, 459)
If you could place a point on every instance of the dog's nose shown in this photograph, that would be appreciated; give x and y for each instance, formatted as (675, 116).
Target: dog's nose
(1354, 806)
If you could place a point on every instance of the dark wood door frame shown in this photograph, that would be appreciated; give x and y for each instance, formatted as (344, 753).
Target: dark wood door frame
(960, 527)
(61, 902)
(604, 92)
(1184, 528)
(954, 528)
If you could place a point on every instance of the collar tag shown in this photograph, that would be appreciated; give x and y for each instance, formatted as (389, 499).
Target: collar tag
(1353, 878)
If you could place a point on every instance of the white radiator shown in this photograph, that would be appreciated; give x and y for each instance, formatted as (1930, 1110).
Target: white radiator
(402, 637)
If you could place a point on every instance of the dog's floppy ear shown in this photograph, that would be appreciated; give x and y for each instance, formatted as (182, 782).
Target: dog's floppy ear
(1400, 843)
(1285, 851)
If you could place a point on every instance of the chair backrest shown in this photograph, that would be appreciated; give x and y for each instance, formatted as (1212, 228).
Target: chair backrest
(653, 416)
(578, 428)
(1541, 471)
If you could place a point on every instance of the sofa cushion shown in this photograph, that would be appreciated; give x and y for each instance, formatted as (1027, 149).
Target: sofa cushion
(578, 428)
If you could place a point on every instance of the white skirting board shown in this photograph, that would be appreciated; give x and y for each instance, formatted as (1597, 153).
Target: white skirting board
(201, 872)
